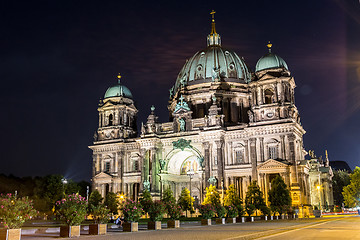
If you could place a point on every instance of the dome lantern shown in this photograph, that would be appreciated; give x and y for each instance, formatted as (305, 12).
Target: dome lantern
(213, 39)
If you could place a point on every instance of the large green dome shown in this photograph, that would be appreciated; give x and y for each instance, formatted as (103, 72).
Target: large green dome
(269, 61)
(118, 91)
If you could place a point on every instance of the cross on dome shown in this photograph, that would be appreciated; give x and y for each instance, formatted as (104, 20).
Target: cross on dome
(269, 45)
(119, 77)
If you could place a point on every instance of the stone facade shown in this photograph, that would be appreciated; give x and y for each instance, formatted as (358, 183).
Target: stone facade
(227, 126)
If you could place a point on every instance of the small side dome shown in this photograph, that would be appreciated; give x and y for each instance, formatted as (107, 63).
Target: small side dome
(118, 91)
(269, 61)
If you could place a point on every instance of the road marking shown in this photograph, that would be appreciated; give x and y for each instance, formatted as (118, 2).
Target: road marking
(270, 233)
(300, 228)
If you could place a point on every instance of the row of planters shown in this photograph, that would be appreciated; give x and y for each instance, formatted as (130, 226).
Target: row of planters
(72, 210)
(156, 211)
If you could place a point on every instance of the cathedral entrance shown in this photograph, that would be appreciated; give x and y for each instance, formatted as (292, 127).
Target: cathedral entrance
(183, 170)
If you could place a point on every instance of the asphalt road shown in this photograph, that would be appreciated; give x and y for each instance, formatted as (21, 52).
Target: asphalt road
(327, 228)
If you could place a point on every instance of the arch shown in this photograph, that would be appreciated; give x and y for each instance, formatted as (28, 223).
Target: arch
(178, 161)
(269, 96)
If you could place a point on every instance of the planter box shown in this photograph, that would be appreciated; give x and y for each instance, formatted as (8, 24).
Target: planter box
(220, 220)
(240, 219)
(317, 213)
(264, 218)
(97, 229)
(10, 234)
(70, 231)
(206, 222)
(271, 217)
(249, 219)
(130, 227)
(173, 223)
(231, 220)
(154, 225)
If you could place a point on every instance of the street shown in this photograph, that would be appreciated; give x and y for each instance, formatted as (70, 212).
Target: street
(324, 228)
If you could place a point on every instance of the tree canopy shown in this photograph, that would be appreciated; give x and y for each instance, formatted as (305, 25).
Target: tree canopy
(212, 196)
(111, 202)
(185, 200)
(232, 199)
(279, 195)
(254, 199)
(340, 179)
(351, 192)
(95, 199)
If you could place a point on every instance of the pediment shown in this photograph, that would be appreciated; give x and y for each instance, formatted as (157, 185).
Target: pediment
(271, 163)
(108, 104)
(266, 77)
(101, 176)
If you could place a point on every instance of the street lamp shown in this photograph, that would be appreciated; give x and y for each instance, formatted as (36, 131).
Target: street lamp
(190, 173)
(64, 181)
(87, 192)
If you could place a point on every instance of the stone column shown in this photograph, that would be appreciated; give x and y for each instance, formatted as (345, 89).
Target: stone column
(206, 147)
(247, 156)
(220, 160)
(262, 149)
(253, 157)
(153, 169)
(262, 181)
(94, 165)
(144, 163)
(291, 140)
(283, 149)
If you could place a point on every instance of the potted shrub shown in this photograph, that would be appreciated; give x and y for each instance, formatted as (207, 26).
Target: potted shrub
(265, 213)
(221, 213)
(132, 213)
(71, 210)
(174, 213)
(101, 216)
(156, 212)
(232, 213)
(14, 212)
(207, 212)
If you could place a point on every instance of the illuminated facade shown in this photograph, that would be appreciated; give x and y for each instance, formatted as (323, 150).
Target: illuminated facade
(227, 125)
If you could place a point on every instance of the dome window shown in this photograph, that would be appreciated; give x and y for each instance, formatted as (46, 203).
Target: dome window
(269, 95)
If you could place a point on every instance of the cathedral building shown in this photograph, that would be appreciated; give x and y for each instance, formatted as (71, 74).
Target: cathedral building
(227, 125)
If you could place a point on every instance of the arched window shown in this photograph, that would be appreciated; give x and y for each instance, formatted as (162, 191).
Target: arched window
(110, 120)
(268, 96)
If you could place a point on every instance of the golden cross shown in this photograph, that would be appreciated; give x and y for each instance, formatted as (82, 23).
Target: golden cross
(213, 13)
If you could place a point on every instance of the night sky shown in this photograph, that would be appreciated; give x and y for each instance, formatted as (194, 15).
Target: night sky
(57, 59)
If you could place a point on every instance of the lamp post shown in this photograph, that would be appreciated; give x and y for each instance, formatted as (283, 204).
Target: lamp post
(64, 181)
(87, 192)
(190, 173)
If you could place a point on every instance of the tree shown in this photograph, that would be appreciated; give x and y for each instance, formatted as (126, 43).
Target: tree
(232, 199)
(95, 199)
(351, 192)
(212, 196)
(111, 202)
(254, 199)
(185, 200)
(340, 179)
(51, 189)
(279, 195)
(146, 200)
(168, 196)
